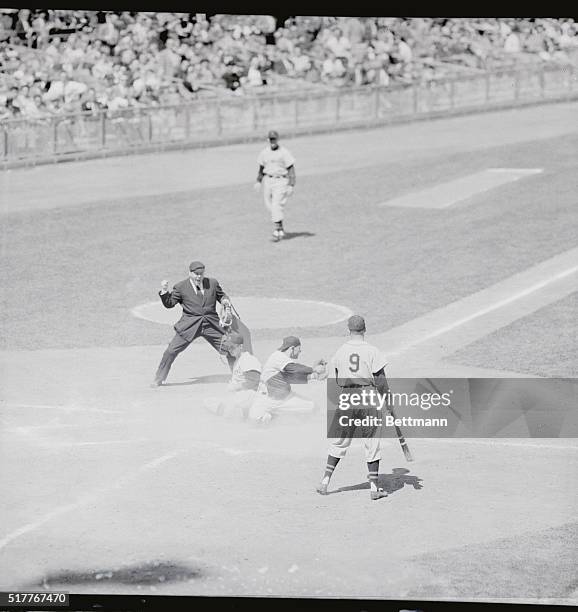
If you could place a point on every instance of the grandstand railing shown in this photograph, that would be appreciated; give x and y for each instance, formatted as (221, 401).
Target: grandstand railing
(239, 118)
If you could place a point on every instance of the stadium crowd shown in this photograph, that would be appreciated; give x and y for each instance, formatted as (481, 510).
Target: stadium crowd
(66, 61)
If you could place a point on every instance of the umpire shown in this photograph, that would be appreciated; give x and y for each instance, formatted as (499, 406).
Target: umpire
(198, 295)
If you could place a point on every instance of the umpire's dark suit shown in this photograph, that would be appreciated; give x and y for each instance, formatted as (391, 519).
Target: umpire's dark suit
(199, 318)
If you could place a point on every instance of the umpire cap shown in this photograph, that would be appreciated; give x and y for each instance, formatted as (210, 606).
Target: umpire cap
(273, 135)
(195, 265)
(356, 323)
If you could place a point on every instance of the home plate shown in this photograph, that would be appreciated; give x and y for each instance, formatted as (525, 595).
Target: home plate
(259, 313)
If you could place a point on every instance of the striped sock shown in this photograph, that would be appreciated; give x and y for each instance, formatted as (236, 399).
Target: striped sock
(373, 467)
(331, 465)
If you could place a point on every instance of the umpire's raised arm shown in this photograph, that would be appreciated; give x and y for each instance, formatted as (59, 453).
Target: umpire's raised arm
(169, 298)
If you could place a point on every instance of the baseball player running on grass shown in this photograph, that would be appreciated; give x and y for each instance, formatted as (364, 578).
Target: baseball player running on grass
(358, 365)
(235, 403)
(277, 175)
(280, 370)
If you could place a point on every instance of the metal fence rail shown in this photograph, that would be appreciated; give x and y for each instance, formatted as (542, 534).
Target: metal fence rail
(222, 119)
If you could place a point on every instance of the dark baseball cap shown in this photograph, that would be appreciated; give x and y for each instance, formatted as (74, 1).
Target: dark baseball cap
(195, 265)
(273, 135)
(356, 323)
(288, 342)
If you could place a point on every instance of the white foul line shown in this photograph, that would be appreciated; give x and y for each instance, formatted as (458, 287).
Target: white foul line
(495, 442)
(60, 407)
(557, 271)
(68, 444)
(497, 305)
(500, 442)
(31, 434)
(90, 497)
(15, 406)
(53, 425)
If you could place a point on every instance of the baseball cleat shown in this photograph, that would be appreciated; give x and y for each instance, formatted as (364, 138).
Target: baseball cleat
(156, 383)
(281, 234)
(321, 488)
(378, 494)
(276, 236)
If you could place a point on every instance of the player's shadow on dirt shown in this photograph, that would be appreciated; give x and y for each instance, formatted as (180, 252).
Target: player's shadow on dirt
(202, 380)
(391, 483)
(291, 235)
(147, 574)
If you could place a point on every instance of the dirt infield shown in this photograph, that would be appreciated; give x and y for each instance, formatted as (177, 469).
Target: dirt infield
(118, 488)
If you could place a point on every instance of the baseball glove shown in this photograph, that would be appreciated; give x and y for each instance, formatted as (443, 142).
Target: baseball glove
(226, 318)
(320, 369)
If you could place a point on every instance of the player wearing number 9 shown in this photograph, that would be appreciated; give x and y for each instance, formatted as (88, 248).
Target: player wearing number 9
(356, 365)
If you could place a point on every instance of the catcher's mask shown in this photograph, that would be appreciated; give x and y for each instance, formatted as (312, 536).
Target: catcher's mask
(226, 318)
(230, 339)
(233, 342)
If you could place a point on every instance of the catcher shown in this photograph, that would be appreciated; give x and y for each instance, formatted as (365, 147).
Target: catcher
(235, 403)
(274, 394)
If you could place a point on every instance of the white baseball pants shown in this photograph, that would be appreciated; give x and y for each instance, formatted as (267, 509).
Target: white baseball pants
(264, 407)
(275, 196)
(233, 404)
(371, 446)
